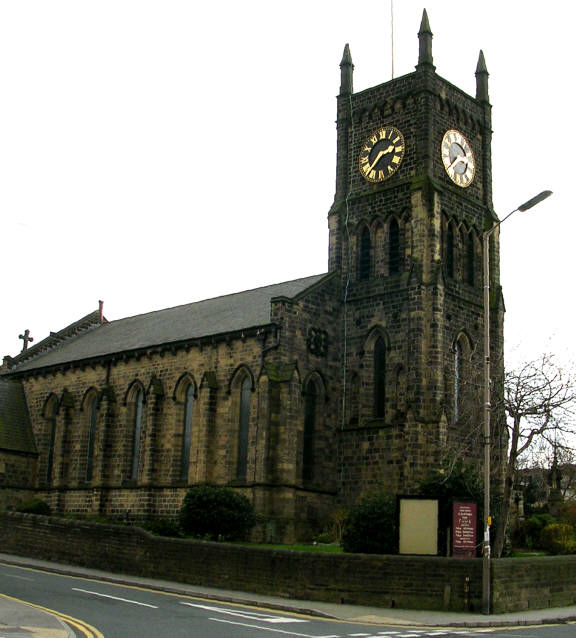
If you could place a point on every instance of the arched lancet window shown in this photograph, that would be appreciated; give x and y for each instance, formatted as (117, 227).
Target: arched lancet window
(243, 429)
(51, 414)
(92, 421)
(450, 240)
(458, 380)
(309, 440)
(187, 431)
(379, 378)
(365, 255)
(394, 247)
(138, 414)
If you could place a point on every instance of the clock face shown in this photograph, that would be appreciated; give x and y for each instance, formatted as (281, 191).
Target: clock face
(381, 154)
(458, 158)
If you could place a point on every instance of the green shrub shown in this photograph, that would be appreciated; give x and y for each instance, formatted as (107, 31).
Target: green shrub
(558, 538)
(531, 530)
(216, 513)
(34, 506)
(371, 527)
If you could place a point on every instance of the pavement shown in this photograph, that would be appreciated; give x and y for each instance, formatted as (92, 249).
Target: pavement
(19, 620)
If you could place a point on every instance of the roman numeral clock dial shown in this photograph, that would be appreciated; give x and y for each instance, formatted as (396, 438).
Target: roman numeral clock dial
(381, 154)
(458, 158)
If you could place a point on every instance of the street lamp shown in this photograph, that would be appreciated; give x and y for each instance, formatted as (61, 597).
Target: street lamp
(487, 401)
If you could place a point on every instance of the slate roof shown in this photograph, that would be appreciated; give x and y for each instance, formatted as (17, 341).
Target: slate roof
(229, 313)
(15, 428)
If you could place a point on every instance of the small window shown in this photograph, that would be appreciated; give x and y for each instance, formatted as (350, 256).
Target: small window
(379, 378)
(470, 254)
(393, 247)
(92, 422)
(309, 442)
(365, 257)
(458, 360)
(187, 432)
(243, 430)
(51, 412)
(450, 239)
(137, 425)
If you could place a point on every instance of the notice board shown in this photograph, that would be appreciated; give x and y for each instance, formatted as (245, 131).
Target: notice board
(464, 521)
(418, 526)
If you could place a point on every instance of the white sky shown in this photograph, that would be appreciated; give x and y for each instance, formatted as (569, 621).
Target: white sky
(158, 152)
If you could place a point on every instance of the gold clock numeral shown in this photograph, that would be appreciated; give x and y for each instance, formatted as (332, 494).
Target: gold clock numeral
(381, 154)
(458, 158)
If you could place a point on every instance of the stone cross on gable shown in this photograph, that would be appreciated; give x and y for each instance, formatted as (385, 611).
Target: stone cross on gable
(26, 338)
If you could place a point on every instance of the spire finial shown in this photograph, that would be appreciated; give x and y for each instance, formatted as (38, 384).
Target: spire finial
(482, 79)
(346, 72)
(425, 59)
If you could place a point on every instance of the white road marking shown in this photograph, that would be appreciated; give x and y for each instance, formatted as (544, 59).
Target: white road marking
(122, 600)
(278, 631)
(18, 577)
(248, 615)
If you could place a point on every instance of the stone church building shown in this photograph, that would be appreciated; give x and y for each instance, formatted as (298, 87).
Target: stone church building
(303, 395)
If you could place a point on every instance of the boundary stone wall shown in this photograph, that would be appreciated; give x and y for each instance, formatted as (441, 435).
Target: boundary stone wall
(412, 582)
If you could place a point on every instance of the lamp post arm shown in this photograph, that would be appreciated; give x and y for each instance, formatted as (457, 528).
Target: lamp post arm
(486, 569)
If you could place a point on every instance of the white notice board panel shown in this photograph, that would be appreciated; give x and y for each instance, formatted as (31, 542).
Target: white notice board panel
(418, 526)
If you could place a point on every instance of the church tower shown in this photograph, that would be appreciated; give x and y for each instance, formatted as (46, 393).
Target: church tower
(413, 197)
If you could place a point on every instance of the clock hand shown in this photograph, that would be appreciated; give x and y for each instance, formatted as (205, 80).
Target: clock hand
(380, 154)
(460, 158)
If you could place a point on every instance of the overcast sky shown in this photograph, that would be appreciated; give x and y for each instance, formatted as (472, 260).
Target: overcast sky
(154, 153)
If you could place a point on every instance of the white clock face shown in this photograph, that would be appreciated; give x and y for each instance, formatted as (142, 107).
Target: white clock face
(458, 158)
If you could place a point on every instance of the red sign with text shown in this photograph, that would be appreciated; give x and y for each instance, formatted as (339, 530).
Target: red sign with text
(464, 530)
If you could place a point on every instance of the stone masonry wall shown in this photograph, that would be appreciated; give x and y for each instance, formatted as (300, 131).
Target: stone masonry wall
(386, 581)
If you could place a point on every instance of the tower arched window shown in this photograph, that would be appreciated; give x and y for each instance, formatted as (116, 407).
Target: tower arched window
(450, 250)
(459, 379)
(138, 416)
(187, 431)
(309, 442)
(243, 429)
(365, 255)
(393, 247)
(379, 378)
(470, 255)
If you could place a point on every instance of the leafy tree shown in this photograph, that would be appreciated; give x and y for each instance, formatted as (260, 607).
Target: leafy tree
(539, 400)
(216, 513)
(371, 527)
(558, 538)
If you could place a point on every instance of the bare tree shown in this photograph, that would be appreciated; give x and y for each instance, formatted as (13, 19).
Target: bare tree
(539, 397)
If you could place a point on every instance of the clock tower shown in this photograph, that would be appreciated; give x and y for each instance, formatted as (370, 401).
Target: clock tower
(413, 197)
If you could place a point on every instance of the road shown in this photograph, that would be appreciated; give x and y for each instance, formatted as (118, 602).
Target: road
(118, 611)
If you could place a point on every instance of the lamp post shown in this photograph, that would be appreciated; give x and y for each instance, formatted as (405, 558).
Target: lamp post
(487, 399)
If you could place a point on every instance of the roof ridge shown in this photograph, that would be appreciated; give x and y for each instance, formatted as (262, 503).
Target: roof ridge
(90, 320)
(225, 314)
(229, 294)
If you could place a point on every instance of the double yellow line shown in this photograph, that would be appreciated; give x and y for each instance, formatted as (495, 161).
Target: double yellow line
(86, 630)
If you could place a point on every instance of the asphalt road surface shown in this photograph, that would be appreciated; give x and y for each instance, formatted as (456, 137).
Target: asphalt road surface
(117, 611)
